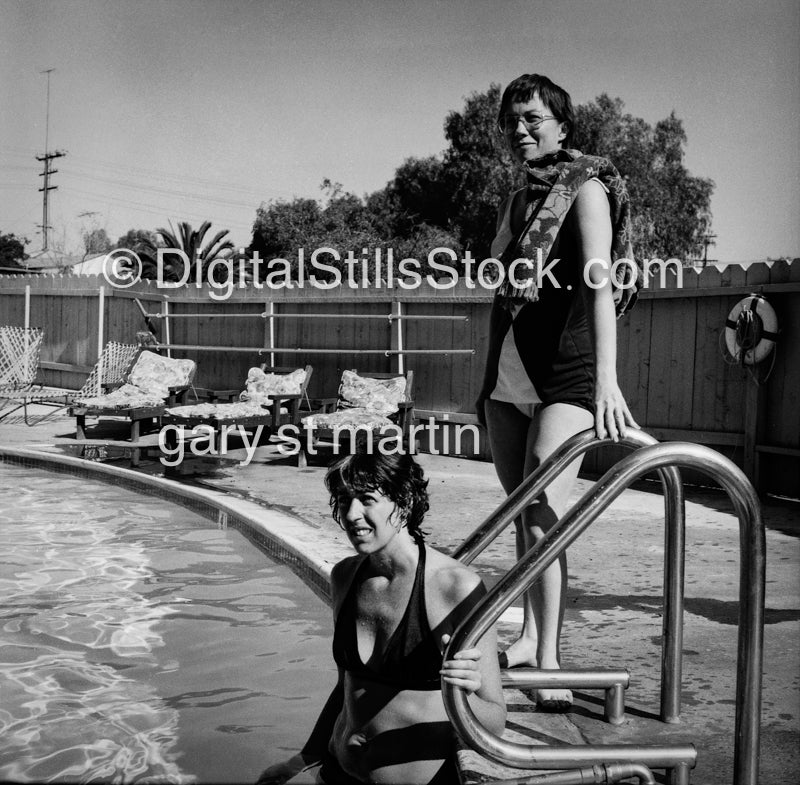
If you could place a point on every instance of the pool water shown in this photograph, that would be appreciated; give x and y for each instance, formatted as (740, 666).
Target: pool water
(141, 642)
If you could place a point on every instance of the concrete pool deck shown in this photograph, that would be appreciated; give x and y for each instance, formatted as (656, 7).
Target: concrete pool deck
(613, 617)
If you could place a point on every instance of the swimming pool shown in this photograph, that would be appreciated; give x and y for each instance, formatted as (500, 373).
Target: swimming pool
(139, 641)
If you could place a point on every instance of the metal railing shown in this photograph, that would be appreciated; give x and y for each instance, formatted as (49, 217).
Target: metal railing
(674, 538)
(612, 682)
(600, 775)
(679, 759)
(395, 320)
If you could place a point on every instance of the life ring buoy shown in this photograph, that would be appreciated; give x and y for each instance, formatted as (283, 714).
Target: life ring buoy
(751, 330)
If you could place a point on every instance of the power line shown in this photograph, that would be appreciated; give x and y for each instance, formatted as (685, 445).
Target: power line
(152, 209)
(112, 171)
(161, 174)
(181, 178)
(156, 189)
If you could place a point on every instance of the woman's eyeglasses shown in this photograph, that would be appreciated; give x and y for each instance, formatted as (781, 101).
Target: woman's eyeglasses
(509, 123)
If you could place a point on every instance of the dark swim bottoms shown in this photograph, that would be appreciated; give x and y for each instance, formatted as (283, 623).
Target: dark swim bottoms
(332, 773)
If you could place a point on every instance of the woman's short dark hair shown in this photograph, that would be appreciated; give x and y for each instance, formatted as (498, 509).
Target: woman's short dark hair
(556, 98)
(398, 477)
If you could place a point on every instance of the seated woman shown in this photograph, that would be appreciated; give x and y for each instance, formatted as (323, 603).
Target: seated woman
(396, 603)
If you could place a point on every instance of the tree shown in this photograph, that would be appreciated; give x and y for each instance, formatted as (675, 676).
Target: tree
(671, 208)
(479, 169)
(143, 243)
(281, 228)
(459, 190)
(136, 239)
(344, 223)
(12, 252)
(96, 241)
(190, 243)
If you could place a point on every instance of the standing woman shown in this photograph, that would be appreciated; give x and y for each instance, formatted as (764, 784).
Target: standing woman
(551, 369)
(396, 604)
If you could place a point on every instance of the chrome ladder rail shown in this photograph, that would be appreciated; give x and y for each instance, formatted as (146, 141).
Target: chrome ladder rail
(674, 541)
(678, 759)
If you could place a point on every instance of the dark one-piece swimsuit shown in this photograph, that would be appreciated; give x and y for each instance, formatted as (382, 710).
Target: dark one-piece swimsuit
(410, 661)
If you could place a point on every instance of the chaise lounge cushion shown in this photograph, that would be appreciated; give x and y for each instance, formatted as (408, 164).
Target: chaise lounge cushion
(126, 397)
(262, 386)
(363, 402)
(219, 411)
(347, 419)
(155, 374)
(148, 383)
(380, 396)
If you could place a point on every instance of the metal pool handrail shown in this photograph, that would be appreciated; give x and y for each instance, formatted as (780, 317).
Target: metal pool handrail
(674, 538)
(531, 566)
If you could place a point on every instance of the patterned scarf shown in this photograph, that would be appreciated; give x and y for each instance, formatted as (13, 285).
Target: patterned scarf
(553, 184)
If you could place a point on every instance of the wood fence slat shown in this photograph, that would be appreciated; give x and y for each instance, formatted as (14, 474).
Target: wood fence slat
(661, 343)
(780, 272)
(683, 358)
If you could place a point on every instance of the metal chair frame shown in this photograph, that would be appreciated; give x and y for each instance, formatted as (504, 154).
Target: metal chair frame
(20, 350)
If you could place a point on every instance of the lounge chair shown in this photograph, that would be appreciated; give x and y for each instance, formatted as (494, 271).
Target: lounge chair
(109, 370)
(20, 349)
(265, 385)
(152, 384)
(367, 404)
(271, 398)
(114, 360)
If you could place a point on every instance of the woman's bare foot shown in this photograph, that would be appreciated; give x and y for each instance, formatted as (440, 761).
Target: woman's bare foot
(556, 699)
(520, 654)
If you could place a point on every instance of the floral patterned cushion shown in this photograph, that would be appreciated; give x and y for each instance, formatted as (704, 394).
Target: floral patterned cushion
(148, 383)
(347, 418)
(126, 397)
(219, 411)
(380, 396)
(260, 385)
(155, 374)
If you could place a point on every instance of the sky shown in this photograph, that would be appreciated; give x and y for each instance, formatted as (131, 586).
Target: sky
(177, 110)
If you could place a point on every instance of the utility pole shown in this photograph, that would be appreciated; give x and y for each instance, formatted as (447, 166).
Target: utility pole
(47, 157)
(708, 239)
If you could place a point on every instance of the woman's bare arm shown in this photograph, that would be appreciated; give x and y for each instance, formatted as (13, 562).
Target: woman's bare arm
(592, 223)
(475, 670)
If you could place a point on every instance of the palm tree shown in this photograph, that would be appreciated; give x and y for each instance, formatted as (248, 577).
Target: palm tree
(190, 242)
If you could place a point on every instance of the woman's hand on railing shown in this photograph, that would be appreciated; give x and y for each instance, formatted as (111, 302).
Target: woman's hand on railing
(612, 416)
(464, 669)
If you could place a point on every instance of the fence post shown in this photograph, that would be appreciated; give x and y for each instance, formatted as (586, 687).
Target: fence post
(754, 403)
(101, 313)
(27, 330)
(271, 331)
(165, 316)
(397, 335)
(27, 323)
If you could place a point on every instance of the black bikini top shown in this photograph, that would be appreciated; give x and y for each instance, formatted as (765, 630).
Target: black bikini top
(411, 659)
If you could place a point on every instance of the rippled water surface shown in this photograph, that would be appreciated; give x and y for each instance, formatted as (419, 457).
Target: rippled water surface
(139, 642)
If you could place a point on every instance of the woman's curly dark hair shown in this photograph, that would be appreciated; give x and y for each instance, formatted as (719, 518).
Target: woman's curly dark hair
(398, 477)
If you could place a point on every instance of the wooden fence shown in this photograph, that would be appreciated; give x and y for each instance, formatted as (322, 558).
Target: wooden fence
(672, 365)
